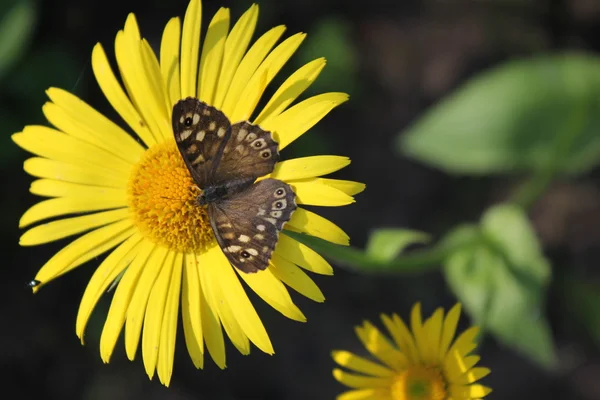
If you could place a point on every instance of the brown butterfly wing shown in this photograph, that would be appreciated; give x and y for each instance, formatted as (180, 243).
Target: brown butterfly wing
(201, 132)
(247, 224)
(250, 152)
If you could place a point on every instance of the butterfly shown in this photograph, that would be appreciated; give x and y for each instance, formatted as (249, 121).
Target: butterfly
(225, 160)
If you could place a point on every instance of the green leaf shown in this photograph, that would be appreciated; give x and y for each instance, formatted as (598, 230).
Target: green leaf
(387, 244)
(513, 118)
(16, 27)
(502, 282)
(582, 300)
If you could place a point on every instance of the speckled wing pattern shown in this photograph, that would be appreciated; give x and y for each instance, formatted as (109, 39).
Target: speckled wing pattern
(246, 218)
(248, 223)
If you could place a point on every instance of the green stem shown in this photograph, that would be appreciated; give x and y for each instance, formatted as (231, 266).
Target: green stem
(417, 261)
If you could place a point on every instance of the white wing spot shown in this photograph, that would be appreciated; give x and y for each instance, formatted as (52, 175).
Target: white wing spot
(271, 220)
(196, 119)
(240, 148)
(200, 136)
(212, 126)
(241, 134)
(259, 236)
(233, 249)
(185, 134)
(221, 132)
(260, 227)
(182, 119)
(198, 160)
(265, 249)
(206, 111)
(252, 251)
(244, 238)
(261, 211)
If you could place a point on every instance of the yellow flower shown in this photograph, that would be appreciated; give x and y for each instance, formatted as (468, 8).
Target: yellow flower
(138, 197)
(423, 363)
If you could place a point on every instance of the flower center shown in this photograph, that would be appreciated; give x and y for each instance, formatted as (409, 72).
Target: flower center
(419, 383)
(162, 199)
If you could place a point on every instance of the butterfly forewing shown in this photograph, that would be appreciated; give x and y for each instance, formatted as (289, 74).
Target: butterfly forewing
(247, 224)
(250, 152)
(201, 132)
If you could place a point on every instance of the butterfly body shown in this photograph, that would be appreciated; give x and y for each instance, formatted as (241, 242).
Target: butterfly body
(225, 161)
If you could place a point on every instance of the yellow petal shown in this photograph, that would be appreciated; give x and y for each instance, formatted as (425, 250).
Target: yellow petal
(272, 291)
(212, 55)
(308, 167)
(73, 116)
(365, 394)
(247, 67)
(456, 365)
(121, 300)
(50, 143)
(190, 45)
(360, 364)
(139, 75)
(116, 96)
(263, 75)
(289, 91)
(359, 381)
(349, 187)
(105, 274)
(154, 313)
(139, 300)
(242, 308)
(83, 249)
(54, 188)
(449, 329)
(465, 343)
(295, 278)
(68, 205)
(158, 87)
(190, 311)
(302, 255)
(293, 122)
(472, 375)
(311, 192)
(59, 170)
(235, 48)
(213, 335)
(433, 330)
(380, 347)
(210, 276)
(60, 229)
(166, 349)
(416, 326)
(308, 222)
(402, 336)
(469, 392)
(169, 59)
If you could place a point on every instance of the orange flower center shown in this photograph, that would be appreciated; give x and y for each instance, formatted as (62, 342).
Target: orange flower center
(419, 383)
(162, 198)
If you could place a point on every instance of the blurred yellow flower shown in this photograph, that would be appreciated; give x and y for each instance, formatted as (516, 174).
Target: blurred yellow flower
(423, 363)
(138, 197)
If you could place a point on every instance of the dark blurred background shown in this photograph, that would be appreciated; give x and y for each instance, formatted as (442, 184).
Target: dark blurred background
(395, 59)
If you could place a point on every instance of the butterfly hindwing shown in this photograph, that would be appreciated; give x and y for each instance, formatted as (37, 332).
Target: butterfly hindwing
(250, 152)
(247, 224)
(201, 132)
